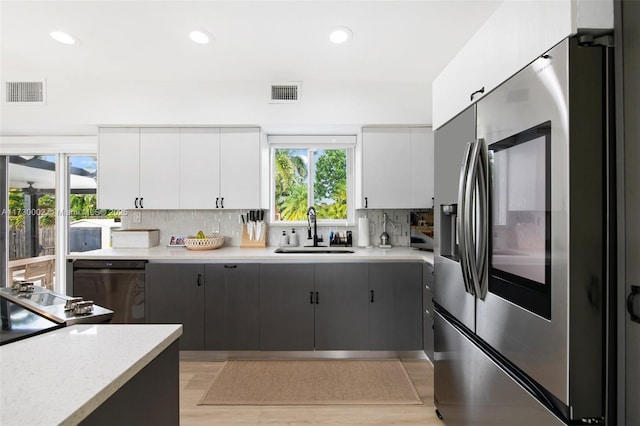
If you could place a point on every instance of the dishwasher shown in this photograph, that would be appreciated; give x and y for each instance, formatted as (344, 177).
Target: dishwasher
(118, 285)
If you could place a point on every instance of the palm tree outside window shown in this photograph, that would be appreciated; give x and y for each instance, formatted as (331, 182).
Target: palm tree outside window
(319, 176)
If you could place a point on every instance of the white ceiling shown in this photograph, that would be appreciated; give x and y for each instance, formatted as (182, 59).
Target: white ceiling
(254, 40)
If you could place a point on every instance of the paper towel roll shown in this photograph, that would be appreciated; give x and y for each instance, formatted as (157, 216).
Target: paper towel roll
(363, 232)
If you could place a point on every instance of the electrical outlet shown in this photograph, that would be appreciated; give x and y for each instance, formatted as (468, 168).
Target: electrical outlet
(215, 227)
(137, 217)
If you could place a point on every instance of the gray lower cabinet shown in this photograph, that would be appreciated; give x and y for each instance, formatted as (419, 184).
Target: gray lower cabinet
(291, 307)
(287, 298)
(175, 295)
(151, 397)
(232, 301)
(217, 304)
(342, 306)
(428, 311)
(306, 307)
(395, 308)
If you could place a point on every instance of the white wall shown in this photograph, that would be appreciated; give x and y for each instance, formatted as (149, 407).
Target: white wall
(77, 107)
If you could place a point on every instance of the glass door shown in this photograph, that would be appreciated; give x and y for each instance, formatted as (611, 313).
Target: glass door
(32, 219)
(89, 228)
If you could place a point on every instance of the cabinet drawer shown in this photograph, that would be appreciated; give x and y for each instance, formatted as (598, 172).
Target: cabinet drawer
(427, 276)
(427, 302)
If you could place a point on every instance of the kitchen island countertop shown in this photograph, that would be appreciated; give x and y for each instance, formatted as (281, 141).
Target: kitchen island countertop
(60, 377)
(267, 254)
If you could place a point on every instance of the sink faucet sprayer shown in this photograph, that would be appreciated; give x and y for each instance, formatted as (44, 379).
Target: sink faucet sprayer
(311, 218)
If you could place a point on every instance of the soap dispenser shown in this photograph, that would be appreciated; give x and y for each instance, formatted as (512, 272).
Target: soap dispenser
(284, 239)
(293, 238)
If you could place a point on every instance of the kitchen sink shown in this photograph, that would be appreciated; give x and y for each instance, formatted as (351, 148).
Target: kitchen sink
(314, 250)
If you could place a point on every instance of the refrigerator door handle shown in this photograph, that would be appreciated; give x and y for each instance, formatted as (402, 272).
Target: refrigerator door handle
(483, 244)
(461, 220)
(476, 219)
(470, 218)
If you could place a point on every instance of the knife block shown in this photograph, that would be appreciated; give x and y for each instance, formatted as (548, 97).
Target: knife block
(246, 242)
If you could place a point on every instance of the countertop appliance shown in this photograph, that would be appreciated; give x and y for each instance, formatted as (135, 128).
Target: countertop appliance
(521, 287)
(28, 310)
(118, 285)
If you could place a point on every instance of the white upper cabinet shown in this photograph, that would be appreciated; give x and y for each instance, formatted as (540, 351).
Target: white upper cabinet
(239, 168)
(138, 168)
(513, 37)
(119, 168)
(199, 168)
(397, 167)
(422, 177)
(219, 168)
(159, 168)
(385, 167)
(172, 168)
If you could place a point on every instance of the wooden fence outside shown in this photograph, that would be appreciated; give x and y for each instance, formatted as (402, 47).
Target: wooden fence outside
(18, 247)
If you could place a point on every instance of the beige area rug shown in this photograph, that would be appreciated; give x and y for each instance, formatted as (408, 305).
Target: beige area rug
(311, 382)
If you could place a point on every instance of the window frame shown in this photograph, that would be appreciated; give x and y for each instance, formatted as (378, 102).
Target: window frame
(312, 143)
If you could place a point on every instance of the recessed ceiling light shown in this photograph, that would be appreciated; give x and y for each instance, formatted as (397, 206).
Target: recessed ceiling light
(200, 37)
(62, 37)
(340, 35)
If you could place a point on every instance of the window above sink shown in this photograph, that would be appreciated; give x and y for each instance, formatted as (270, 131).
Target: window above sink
(312, 171)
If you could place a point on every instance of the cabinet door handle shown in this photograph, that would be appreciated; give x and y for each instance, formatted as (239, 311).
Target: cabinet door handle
(311, 297)
(217, 199)
(136, 202)
(231, 266)
(372, 296)
(366, 202)
(635, 291)
(317, 299)
(477, 92)
(222, 203)
(141, 206)
(199, 280)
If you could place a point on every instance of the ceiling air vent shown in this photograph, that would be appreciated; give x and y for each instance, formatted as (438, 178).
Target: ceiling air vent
(24, 91)
(285, 93)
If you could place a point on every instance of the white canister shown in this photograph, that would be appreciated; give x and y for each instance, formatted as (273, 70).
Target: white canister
(363, 232)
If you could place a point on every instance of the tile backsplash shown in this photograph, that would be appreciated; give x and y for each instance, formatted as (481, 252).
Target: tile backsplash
(228, 223)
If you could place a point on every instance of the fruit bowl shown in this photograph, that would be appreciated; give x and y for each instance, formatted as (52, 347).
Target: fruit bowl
(207, 243)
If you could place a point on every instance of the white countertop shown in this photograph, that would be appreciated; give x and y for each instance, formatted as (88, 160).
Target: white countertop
(267, 254)
(61, 376)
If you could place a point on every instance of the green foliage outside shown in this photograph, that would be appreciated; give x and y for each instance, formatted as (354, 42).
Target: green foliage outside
(291, 185)
(46, 209)
(329, 187)
(81, 206)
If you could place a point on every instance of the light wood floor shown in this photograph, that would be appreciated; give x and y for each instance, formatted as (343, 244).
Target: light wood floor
(196, 377)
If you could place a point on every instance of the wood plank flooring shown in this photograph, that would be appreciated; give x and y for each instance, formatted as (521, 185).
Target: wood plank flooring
(196, 377)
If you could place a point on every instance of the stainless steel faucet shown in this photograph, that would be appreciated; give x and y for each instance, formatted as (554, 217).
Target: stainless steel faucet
(311, 219)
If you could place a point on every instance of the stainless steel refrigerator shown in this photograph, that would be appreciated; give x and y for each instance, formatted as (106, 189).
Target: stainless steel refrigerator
(522, 294)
